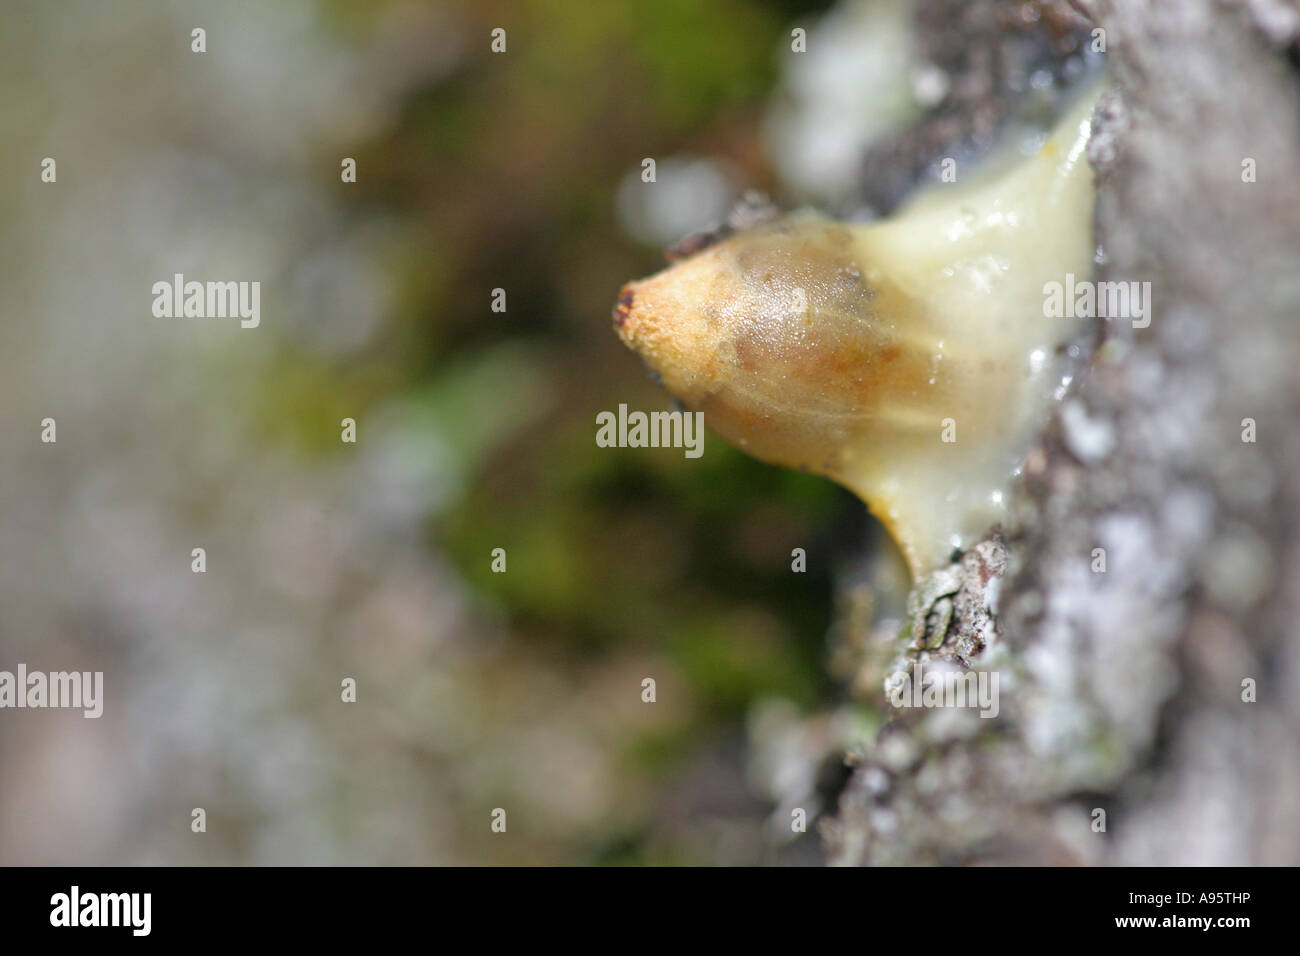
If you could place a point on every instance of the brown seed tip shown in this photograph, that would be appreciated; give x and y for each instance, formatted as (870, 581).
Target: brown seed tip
(624, 307)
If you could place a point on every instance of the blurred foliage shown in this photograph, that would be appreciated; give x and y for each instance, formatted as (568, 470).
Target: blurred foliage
(476, 430)
(505, 169)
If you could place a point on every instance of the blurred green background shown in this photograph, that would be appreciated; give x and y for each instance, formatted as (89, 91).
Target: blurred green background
(476, 429)
(617, 559)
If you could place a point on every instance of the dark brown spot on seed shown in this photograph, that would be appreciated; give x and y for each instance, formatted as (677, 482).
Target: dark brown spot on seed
(624, 307)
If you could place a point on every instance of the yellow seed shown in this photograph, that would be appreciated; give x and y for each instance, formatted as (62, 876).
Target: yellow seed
(908, 359)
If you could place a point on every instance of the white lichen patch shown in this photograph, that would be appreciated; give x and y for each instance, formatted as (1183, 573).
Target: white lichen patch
(1090, 440)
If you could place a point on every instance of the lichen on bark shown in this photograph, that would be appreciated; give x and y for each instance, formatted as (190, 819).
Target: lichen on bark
(1150, 579)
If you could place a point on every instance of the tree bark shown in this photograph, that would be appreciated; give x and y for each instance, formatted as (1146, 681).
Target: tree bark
(1174, 464)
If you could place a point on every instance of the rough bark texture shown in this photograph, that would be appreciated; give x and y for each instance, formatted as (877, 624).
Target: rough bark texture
(1122, 689)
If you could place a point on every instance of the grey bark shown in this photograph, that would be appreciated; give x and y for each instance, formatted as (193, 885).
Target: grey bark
(1122, 691)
